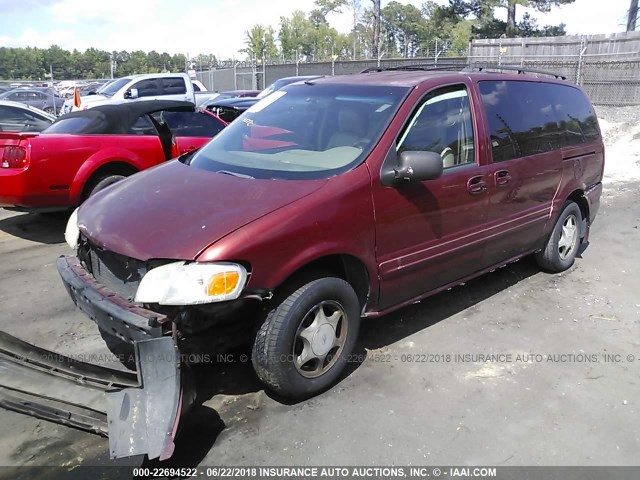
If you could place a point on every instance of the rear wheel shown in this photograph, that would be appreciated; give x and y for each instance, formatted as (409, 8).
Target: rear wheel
(561, 247)
(303, 345)
(103, 182)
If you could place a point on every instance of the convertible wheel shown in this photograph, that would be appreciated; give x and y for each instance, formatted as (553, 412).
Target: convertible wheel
(304, 343)
(104, 182)
(561, 247)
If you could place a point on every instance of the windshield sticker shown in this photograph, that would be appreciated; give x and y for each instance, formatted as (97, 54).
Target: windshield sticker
(266, 101)
(248, 122)
(383, 107)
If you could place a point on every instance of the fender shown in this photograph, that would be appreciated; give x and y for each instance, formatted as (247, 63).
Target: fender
(307, 256)
(97, 160)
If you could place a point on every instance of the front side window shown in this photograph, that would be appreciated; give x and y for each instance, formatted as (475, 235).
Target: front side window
(147, 88)
(191, 124)
(305, 131)
(442, 124)
(143, 126)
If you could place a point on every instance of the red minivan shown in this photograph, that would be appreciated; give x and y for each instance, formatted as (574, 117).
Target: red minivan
(337, 199)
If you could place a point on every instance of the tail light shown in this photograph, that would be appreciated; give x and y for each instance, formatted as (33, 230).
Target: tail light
(14, 157)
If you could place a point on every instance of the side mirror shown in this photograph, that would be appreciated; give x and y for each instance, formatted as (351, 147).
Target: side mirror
(417, 166)
(132, 93)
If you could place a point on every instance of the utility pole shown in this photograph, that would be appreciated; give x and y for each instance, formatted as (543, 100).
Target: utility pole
(633, 16)
(376, 28)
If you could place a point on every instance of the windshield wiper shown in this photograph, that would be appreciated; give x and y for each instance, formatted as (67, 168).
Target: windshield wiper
(235, 174)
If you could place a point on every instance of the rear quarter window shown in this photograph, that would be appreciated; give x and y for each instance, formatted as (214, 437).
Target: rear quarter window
(71, 125)
(528, 118)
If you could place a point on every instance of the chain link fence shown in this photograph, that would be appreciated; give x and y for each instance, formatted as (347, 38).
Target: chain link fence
(606, 66)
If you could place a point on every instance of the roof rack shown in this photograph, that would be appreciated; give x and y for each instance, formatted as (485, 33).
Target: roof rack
(460, 67)
(419, 66)
(520, 70)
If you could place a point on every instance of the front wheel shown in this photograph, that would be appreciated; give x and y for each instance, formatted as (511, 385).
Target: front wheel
(561, 247)
(304, 343)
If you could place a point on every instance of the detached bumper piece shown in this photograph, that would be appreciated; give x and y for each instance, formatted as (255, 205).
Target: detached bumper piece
(139, 412)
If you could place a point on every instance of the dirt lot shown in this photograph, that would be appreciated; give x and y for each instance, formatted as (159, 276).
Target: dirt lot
(551, 398)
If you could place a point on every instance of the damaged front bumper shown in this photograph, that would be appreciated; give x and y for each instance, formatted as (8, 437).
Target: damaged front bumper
(112, 313)
(139, 412)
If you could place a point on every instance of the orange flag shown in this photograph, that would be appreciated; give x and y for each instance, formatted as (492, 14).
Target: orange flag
(76, 97)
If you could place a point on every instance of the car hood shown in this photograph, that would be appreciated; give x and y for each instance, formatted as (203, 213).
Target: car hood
(174, 211)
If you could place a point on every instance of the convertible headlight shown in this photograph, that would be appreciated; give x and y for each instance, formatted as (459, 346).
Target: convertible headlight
(72, 232)
(183, 283)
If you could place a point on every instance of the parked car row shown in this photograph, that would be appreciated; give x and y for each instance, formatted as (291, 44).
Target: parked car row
(229, 107)
(327, 201)
(43, 99)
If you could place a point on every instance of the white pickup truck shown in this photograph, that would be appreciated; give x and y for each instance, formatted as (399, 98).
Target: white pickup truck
(151, 86)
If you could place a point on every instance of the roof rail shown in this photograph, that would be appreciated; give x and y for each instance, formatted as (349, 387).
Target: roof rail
(520, 70)
(419, 66)
(463, 66)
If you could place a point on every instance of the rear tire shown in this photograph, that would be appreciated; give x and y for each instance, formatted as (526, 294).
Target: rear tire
(104, 182)
(304, 343)
(561, 247)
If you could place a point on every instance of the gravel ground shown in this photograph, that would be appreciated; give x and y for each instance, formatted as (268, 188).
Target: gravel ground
(579, 409)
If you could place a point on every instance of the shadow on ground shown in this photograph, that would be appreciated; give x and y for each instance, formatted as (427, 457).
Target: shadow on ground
(37, 227)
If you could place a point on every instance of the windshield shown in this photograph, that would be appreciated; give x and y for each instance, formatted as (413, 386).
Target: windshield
(110, 89)
(103, 87)
(303, 132)
(277, 85)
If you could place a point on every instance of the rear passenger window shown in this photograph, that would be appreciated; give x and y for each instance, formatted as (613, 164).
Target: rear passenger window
(527, 118)
(442, 124)
(173, 86)
(577, 119)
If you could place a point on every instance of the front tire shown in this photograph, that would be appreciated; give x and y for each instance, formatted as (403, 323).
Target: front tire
(561, 247)
(304, 343)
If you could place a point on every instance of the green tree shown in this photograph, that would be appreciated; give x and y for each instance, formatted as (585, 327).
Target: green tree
(260, 43)
(405, 27)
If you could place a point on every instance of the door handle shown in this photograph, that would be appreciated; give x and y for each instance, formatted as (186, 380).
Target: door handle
(502, 177)
(476, 185)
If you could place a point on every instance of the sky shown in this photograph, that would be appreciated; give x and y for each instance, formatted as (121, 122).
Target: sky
(215, 26)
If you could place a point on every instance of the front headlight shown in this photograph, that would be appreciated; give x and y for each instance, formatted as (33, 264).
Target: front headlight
(183, 283)
(72, 232)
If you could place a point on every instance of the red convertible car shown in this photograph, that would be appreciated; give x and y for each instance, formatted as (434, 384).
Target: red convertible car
(85, 151)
